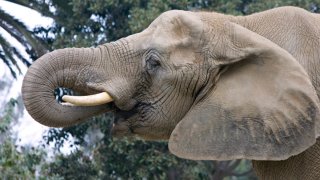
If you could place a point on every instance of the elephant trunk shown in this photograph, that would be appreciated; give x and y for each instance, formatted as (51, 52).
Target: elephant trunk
(61, 68)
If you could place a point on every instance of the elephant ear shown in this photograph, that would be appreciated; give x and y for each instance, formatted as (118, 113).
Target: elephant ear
(263, 107)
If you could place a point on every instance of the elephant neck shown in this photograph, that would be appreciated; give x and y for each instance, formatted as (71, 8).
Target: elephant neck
(302, 166)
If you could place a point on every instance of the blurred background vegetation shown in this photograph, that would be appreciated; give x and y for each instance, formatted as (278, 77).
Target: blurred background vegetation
(79, 23)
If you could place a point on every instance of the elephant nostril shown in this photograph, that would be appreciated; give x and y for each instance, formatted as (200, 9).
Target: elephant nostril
(61, 91)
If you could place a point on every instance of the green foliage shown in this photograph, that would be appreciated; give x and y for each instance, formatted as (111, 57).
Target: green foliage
(6, 119)
(19, 164)
(74, 166)
(142, 159)
(14, 163)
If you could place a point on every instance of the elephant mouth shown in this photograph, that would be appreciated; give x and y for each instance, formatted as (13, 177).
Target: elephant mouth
(121, 124)
(131, 121)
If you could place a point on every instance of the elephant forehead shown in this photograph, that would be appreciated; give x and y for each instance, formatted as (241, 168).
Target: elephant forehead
(164, 33)
(157, 38)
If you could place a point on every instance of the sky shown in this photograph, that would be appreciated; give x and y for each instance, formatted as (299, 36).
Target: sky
(28, 131)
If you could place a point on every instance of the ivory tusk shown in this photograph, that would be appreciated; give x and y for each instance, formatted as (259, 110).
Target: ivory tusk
(89, 100)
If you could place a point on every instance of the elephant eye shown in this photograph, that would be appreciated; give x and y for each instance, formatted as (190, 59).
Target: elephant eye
(152, 63)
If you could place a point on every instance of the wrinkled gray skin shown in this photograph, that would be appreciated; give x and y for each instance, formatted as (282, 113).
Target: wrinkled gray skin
(218, 87)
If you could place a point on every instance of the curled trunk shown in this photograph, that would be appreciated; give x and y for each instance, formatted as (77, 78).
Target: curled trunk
(61, 68)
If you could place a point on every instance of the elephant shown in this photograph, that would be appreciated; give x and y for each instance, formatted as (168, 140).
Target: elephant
(215, 86)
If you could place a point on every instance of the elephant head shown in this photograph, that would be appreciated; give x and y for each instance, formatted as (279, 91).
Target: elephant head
(213, 88)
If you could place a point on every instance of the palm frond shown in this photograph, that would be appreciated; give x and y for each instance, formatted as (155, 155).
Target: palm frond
(7, 53)
(17, 28)
(32, 44)
(40, 6)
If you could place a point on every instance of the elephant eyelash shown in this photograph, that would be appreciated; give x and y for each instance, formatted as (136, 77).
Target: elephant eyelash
(152, 63)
